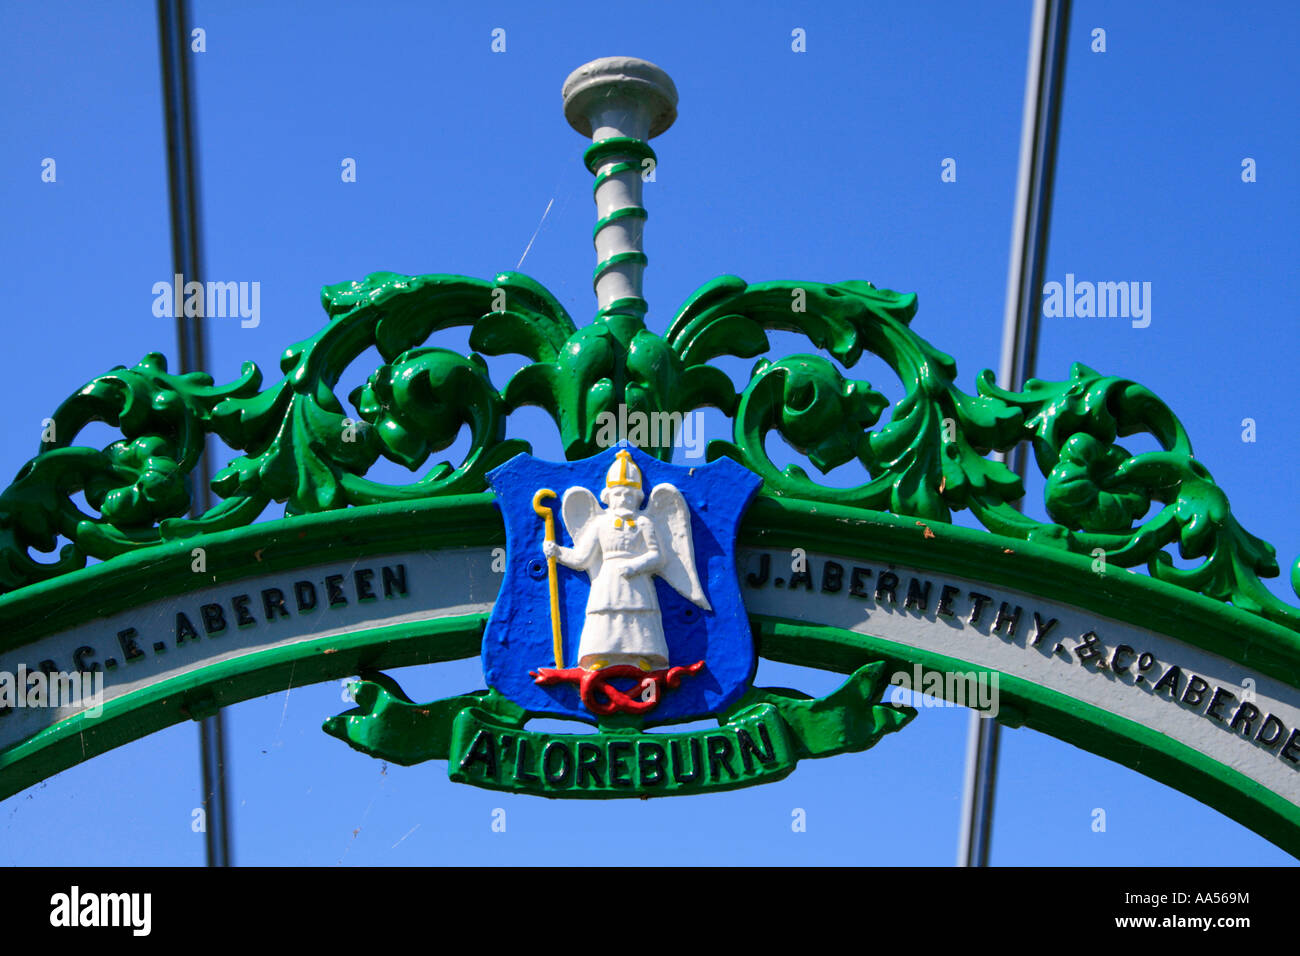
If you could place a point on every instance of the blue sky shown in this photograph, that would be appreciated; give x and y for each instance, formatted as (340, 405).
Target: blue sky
(820, 166)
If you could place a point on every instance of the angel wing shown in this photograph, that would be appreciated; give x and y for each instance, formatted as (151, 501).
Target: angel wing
(672, 520)
(579, 507)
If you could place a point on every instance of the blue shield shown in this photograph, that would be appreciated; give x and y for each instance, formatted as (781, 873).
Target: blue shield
(518, 641)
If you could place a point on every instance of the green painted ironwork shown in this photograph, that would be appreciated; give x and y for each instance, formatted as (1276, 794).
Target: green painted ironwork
(930, 458)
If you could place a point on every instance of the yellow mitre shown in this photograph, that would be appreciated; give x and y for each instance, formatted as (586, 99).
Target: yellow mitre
(623, 473)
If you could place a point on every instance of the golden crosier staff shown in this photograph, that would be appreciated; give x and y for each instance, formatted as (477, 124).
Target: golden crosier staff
(552, 575)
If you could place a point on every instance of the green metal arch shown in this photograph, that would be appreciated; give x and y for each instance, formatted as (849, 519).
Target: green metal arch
(455, 522)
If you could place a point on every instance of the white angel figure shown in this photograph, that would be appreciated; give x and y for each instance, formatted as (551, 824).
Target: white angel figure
(622, 549)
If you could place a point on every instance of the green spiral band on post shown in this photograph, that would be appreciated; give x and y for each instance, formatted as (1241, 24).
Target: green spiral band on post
(627, 305)
(627, 212)
(615, 260)
(601, 150)
(612, 172)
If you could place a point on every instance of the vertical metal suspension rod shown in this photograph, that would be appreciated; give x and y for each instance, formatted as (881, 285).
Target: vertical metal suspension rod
(182, 182)
(1044, 86)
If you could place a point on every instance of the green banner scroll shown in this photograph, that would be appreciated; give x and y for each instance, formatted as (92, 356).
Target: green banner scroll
(483, 740)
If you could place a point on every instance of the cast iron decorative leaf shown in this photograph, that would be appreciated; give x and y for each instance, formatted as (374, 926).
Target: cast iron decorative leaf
(928, 458)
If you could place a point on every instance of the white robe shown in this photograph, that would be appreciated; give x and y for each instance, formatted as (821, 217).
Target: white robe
(623, 620)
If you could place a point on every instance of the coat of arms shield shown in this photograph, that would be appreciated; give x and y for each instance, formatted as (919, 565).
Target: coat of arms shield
(620, 590)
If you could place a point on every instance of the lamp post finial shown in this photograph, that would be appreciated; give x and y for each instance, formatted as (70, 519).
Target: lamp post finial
(620, 102)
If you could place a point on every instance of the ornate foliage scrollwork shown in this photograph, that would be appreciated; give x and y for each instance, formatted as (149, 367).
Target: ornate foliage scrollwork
(931, 457)
(927, 460)
(136, 483)
(1098, 492)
